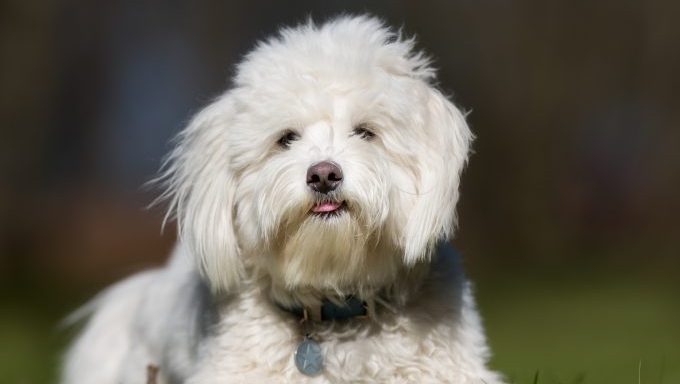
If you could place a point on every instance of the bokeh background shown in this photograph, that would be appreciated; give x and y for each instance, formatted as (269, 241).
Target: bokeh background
(570, 205)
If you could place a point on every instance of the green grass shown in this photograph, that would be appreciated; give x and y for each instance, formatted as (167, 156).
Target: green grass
(571, 329)
(29, 345)
(583, 329)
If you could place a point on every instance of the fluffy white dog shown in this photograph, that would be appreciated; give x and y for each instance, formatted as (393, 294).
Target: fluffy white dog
(314, 202)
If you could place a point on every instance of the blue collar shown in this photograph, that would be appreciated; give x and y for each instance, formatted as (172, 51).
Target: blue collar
(328, 311)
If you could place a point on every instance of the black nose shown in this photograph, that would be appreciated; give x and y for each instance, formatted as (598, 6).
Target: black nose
(324, 177)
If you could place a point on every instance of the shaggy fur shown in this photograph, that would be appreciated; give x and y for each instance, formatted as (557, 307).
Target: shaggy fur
(350, 91)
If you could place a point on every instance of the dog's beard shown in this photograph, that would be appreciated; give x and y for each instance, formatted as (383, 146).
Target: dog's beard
(341, 253)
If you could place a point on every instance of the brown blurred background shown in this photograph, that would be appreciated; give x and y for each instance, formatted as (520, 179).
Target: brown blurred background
(573, 186)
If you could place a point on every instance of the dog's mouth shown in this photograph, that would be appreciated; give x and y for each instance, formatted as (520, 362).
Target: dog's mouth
(326, 209)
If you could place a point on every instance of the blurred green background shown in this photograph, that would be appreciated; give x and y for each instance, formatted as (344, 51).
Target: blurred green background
(569, 209)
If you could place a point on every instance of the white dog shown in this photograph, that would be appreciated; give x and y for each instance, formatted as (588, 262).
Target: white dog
(314, 202)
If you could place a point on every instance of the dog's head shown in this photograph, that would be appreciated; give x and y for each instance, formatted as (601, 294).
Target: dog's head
(333, 163)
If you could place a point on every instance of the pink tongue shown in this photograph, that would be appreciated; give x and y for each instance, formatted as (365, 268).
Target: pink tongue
(326, 207)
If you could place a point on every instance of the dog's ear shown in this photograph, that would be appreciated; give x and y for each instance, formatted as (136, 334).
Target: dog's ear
(201, 187)
(442, 153)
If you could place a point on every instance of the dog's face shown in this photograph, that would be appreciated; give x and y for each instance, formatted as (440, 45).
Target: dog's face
(332, 164)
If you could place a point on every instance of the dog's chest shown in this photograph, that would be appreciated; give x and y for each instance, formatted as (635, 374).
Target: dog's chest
(254, 345)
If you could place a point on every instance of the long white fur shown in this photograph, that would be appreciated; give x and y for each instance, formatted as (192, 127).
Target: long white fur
(248, 243)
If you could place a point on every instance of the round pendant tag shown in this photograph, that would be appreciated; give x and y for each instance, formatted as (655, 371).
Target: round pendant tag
(308, 357)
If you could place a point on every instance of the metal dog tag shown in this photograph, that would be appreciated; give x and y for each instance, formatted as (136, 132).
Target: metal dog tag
(308, 357)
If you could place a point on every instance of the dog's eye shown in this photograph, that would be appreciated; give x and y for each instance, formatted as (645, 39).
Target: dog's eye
(287, 138)
(363, 132)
